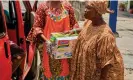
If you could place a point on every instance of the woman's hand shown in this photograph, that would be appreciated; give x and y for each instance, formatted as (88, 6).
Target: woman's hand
(70, 32)
(48, 43)
(73, 31)
(49, 48)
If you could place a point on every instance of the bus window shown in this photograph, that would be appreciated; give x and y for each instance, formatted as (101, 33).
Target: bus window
(9, 14)
(2, 26)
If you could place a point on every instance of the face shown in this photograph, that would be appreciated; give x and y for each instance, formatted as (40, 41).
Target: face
(90, 12)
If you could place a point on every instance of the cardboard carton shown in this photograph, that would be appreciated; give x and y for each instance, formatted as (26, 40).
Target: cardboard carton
(62, 45)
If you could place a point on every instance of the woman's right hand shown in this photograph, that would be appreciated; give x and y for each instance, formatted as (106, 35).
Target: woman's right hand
(48, 43)
(49, 46)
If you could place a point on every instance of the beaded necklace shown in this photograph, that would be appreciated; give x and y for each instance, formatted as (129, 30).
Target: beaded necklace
(56, 15)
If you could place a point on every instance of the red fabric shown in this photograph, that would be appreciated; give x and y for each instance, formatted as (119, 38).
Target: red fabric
(40, 20)
(50, 27)
(44, 24)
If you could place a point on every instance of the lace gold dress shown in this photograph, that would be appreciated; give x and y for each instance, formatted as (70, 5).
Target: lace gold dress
(96, 56)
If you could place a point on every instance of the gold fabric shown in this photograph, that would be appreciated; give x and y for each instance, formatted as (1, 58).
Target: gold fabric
(96, 56)
(99, 5)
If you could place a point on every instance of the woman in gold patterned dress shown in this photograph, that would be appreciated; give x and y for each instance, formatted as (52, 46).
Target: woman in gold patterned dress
(95, 55)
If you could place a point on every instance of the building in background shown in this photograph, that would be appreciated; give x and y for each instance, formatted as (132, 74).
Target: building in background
(79, 7)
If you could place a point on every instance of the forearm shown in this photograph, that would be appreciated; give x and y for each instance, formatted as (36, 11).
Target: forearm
(76, 30)
(43, 37)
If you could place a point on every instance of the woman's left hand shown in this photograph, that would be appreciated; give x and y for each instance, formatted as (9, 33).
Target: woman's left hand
(70, 32)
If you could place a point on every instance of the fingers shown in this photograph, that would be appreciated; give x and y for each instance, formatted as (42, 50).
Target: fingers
(66, 32)
(71, 33)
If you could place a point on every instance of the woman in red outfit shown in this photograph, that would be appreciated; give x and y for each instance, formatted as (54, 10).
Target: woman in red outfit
(52, 16)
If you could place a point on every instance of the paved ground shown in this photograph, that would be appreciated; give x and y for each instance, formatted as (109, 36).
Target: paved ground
(124, 41)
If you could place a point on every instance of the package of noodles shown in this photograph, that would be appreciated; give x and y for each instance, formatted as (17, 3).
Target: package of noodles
(62, 45)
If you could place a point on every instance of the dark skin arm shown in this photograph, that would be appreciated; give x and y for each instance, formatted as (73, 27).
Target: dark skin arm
(77, 30)
(43, 37)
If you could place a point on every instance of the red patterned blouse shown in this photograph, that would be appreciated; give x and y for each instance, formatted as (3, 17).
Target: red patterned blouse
(40, 19)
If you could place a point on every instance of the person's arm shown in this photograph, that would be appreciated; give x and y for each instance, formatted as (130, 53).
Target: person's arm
(73, 21)
(73, 31)
(16, 51)
(106, 50)
(43, 37)
(39, 22)
(74, 27)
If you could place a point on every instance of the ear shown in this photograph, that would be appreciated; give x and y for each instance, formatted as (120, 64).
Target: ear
(97, 14)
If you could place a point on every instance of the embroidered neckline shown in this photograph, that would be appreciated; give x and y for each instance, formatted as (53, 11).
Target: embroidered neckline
(58, 17)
